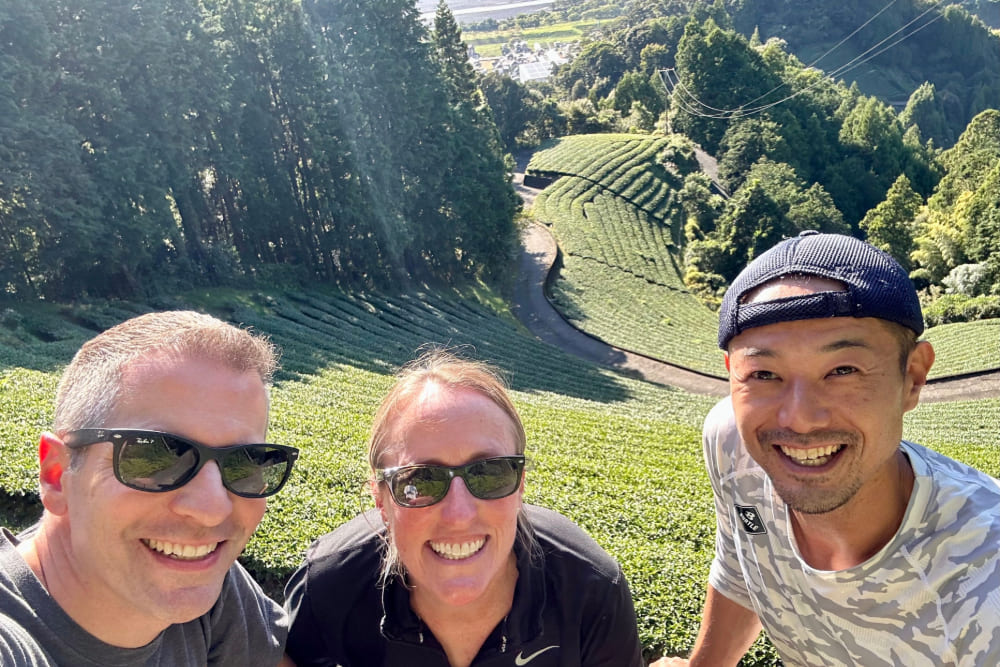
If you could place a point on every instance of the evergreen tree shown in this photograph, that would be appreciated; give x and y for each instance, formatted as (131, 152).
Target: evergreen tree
(718, 71)
(984, 214)
(452, 57)
(511, 105)
(47, 205)
(889, 225)
(925, 111)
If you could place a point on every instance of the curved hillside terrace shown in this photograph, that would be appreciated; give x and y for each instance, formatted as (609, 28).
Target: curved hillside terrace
(617, 219)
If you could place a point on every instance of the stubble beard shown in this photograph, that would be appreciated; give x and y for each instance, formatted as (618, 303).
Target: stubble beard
(803, 497)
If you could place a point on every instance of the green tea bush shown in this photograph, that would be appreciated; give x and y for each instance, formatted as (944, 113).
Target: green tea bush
(619, 456)
(618, 222)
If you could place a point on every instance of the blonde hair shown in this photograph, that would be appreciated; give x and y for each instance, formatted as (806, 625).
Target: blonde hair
(448, 369)
(92, 383)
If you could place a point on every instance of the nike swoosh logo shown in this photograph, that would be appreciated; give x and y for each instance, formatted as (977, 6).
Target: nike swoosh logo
(519, 659)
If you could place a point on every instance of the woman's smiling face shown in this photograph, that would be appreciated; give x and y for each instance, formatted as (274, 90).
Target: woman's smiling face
(460, 549)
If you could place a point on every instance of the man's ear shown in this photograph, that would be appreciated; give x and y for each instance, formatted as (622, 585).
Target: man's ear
(53, 461)
(918, 365)
(725, 355)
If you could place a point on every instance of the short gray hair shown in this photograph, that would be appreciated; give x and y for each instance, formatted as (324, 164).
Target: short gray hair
(92, 383)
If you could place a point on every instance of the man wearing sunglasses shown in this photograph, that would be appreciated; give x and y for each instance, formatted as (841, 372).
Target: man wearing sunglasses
(153, 478)
(847, 544)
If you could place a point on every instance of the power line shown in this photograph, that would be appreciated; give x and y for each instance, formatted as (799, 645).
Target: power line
(831, 49)
(691, 104)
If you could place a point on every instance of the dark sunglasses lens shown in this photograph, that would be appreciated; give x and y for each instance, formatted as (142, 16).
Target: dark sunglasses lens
(155, 463)
(493, 478)
(256, 470)
(420, 486)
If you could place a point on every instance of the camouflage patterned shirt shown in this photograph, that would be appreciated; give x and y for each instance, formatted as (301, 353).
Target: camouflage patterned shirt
(929, 598)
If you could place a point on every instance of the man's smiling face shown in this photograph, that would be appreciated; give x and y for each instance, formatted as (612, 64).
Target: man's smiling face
(819, 402)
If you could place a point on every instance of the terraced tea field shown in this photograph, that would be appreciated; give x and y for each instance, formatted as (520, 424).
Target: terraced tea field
(619, 456)
(618, 222)
(614, 212)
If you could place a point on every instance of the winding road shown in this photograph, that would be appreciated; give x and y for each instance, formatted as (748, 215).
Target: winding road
(533, 308)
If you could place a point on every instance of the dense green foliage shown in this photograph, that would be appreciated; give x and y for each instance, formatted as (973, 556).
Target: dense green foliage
(942, 63)
(616, 210)
(908, 44)
(161, 144)
(796, 147)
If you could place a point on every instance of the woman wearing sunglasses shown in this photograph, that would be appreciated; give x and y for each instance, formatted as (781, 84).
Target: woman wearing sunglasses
(451, 569)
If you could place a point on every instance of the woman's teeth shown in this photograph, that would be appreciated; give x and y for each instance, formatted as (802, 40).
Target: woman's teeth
(457, 551)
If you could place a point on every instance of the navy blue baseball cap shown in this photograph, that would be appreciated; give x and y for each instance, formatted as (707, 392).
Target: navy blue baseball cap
(875, 285)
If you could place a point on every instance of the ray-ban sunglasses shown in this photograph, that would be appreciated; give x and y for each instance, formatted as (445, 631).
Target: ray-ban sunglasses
(158, 462)
(425, 484)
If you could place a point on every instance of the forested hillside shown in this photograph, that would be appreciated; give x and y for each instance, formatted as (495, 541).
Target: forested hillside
(797, 147)
(940, 60)
(933, 57)
(147, 147)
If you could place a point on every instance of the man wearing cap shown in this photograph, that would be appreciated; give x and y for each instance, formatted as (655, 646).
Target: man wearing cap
(847, 544)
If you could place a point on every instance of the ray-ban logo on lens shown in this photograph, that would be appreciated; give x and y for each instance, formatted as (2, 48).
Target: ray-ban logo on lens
(750, 518)
(521, 659)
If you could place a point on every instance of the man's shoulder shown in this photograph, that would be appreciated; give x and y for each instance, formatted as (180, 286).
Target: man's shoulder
(719, 426)
(721, 413)
(949, 473)
(722, 446)
(958, 495)
(19, 647)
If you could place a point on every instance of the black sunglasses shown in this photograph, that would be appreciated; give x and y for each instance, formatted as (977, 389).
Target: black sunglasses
(425, 484)
(158, 462)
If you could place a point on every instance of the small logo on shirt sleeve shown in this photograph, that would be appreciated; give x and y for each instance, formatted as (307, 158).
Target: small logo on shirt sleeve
(750, 518)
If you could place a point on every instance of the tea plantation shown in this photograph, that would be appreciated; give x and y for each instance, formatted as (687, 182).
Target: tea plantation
(619, 456)
(614, 212)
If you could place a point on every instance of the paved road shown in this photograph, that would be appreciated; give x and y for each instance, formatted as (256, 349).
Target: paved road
(533, 309)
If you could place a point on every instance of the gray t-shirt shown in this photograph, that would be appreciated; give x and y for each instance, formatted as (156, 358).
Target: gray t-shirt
(929, 598)
(243, 628)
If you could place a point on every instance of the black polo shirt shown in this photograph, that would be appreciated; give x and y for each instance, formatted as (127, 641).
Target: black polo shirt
(572, 606)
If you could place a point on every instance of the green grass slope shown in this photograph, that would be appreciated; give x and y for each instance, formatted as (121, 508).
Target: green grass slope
(965, 347)
(616, 217)
(619, 456)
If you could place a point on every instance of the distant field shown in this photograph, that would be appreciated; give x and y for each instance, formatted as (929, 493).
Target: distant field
(488, 43)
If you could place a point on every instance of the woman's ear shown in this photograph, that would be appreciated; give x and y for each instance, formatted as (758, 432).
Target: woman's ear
(53, 461)
(373, 486)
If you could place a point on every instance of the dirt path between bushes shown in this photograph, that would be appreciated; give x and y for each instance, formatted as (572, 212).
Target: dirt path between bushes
(532, 307)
